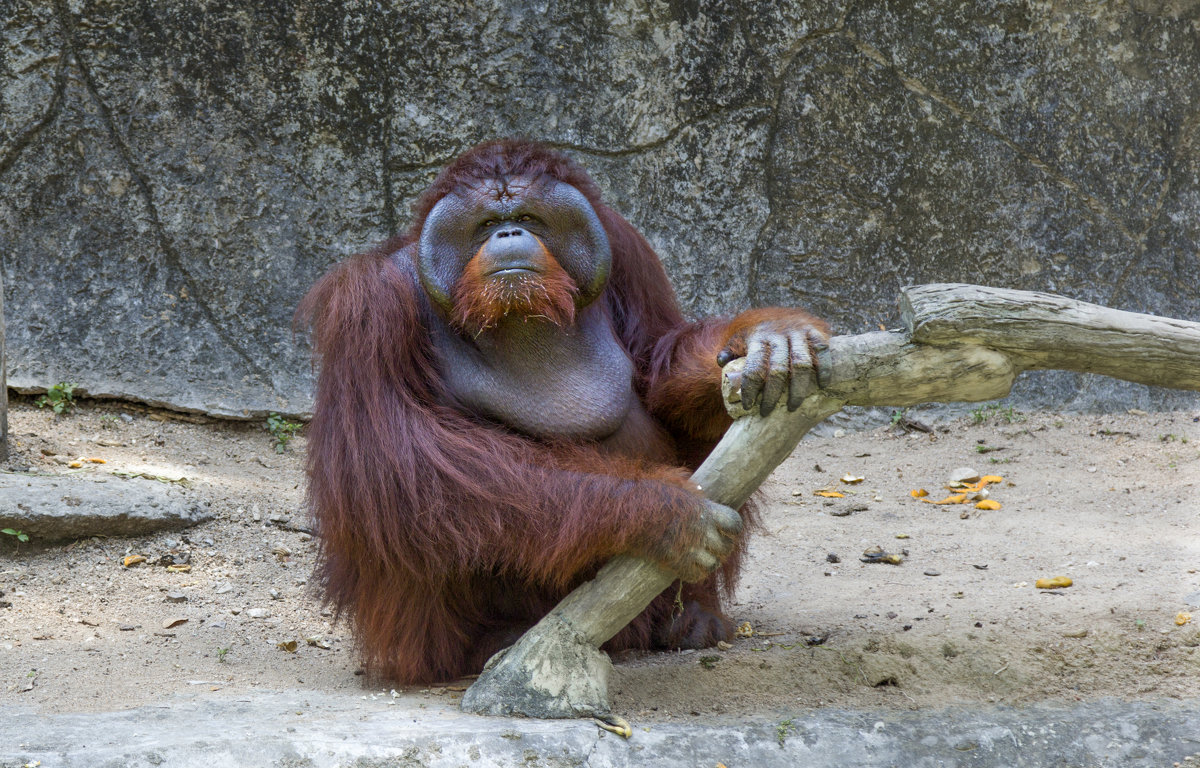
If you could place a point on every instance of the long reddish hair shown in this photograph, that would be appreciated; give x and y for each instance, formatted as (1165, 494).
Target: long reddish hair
(412, 498)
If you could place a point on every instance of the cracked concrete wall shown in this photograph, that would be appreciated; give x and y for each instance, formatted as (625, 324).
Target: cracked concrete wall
(174, 175)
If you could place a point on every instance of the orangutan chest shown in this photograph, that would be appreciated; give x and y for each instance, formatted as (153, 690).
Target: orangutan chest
(575, 385)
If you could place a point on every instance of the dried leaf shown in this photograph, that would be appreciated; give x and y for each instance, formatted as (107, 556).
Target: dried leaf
(876, 554)
(173, 622)
(988, 504)
(1056, 582)
(288, 645)
(976, 486)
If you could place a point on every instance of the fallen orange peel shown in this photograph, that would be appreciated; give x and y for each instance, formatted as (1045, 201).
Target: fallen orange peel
(958, 498)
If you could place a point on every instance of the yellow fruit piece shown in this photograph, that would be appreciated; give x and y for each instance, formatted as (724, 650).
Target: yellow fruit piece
(986, 479)
(75, 464)
(831, 494)
(1181, 618)
(919, 493)
(132, 560)
(988, 504)
(852, 479)
(1056, 582)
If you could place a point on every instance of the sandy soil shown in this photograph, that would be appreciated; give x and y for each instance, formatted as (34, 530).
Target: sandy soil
(1110, 501)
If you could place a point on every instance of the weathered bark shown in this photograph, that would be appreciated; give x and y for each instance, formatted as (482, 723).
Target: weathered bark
(963, 343)
(3, 383)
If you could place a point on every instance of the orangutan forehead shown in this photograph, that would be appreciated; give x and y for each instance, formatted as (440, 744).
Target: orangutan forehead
(507, 189)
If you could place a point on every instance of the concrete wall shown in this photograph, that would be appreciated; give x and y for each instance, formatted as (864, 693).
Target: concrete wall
(175, 174)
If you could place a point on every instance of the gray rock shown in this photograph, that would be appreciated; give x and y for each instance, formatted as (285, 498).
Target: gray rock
(58, 507)
(176, 175)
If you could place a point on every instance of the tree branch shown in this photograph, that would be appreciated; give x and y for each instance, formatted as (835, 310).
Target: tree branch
(962, 343)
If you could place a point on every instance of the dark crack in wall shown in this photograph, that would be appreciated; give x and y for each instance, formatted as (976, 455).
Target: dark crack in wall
(174, 175)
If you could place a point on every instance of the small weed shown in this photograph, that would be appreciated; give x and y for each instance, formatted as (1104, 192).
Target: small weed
(282, 431)
(1172, 438)
(898, 416)
(1012, 415)
(18, 535)
(221, 654)
(987, 411)
(60, 398)
(783, 729)
(981, 414)
(996, 460)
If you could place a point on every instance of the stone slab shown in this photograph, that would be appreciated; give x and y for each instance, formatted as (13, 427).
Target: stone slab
(58, 507)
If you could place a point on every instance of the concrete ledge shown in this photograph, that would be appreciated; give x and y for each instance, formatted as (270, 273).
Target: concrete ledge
(303, 728)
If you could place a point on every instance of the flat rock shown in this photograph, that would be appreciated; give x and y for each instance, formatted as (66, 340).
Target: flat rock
(57, 507)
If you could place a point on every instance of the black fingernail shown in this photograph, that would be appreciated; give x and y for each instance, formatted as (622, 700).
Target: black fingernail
(723, 357)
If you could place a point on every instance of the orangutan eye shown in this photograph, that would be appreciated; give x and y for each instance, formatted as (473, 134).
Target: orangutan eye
(525, 217)
(490, 223)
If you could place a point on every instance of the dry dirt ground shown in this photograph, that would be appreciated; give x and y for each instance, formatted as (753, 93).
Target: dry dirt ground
(1110, 501)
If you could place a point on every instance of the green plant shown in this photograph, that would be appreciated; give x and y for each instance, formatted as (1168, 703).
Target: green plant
(980, 414)
(221, 654)
(782, 731)
(60, 397)
(984, 412)
(898, 416)
(281, 430)
(18, 535)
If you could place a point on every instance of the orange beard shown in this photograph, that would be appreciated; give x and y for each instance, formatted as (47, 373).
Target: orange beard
(482, 301)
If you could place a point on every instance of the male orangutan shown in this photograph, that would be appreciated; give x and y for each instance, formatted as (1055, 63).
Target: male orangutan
(508, 397)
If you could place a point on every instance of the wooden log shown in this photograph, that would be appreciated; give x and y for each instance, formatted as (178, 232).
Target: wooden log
(963, 343)
(1041, 330)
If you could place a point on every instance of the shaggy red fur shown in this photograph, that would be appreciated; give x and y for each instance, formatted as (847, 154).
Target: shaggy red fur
(444, 536)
